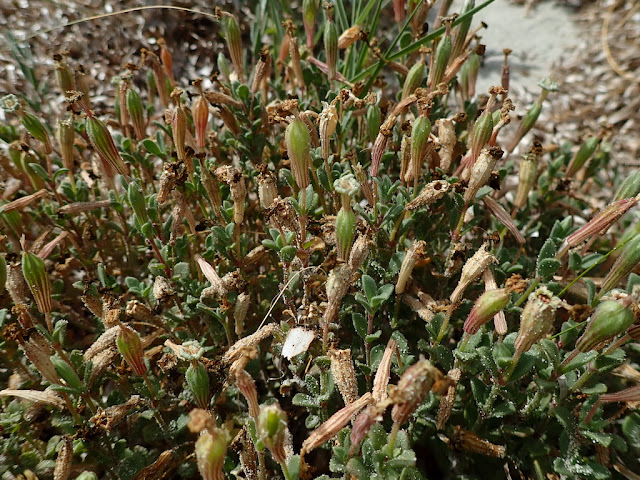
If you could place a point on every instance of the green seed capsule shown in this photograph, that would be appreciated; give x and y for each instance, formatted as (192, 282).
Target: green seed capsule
(136, 111)
(234, 42)
(443, 53)
(138, 202)
(309, 9)
(130, 347)
(486, 307)
(211, 450)
(298, 142)
(102, 141)
(35, 127)
(624, 264)
(630, 187)
(463, 29)
(374, 120)
(528, 121)
(331, 47)
(413, 80)
(481, 133)
(419, 141)
(587, 149)
(272, 424)
(198, 381)
(345, 232)
(66, 138)
(36, 277)
(609, 320)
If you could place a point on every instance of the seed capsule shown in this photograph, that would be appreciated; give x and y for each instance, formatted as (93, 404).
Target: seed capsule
(485, 308)
(309, 9)
(527, 178)
(419, 142)
(415, 253)
(463, 29)
(62, 470)
(102, 141)
(344, 374)
(443, 53)
(36, 277)
(267, 188)
(35, 127)
(211, 450)
(609, 320)
(138, 202)
(272, 426)
(413, 387)
(298, 142)
(200, 112)
(64, 75)
(345, 232)
(481, 134)
(536, 319)
(630, 187)
(587, 149)
(3, 272)
(331, 47)
(136, 111)
(198, 381)
(234, 42)
(327, 123)
(130, 347)
(413, 79)
(374, 120)
(481, 171)
(472, 270)
(66, 138)
(624, 264)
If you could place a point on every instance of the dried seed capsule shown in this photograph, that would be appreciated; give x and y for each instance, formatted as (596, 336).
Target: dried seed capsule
(66, 138)
(64, 75)
(415, 253)
(413, 79)
(267, 188)
(327, 123)
(136, 111)
(472, 270)
(309, 9)
(413, 387)
(36, 277)
(198, 381)
(240, 312)
(349, 37)
(420, 132)
(587, 149)
(262, 70)
(331, 46)
(624, 264)
(211, 450)
(298, 142)
(62, 469)
(272, 425)
(102, 141)
(38, 350)
(481, 171)
(536, 319)
(247, 387)
(527, 178)
(344, 374)
(609, 320)
(130, 347)
(447, 140)
(166, 58)
(234, 42)
(630, 187)
(485, 308)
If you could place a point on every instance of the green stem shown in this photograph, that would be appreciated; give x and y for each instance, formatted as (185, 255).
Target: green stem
(525, 295)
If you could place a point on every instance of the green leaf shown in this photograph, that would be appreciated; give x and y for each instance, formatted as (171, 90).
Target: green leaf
(153, 148)
(547, 267)
(359, 324)
(369, 287)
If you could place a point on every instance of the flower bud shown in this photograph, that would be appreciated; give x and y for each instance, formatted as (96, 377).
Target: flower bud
(485, 308)
(136, 111)
(103, 143)
(211, 450)
(298, 142)
(472, 270)
(198, 381)
(630, 187)
(234, 42)
(419, 142)
(481, 171)
(536, 319)
(35, 127)
(272, 425)
(463, 29)
(331, 46)
(413, 79)
(528, 121)
(36, 277)
(345, 232)
(179, 128)
(130, 347)
(413, 387)
(609, 320)
(362, 424)
(526, 178)
(415, 253)
(624, 264)
(587, 149)
(66, 138)
(138, 202)
(309, 9)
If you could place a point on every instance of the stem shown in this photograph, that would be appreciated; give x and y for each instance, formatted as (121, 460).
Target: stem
(583, 379)
(462, 345)
(445, 324)
(285, 470)
(393, 435)
(512, 367)
(525, 295)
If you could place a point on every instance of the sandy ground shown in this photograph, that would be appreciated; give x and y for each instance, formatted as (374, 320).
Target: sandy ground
(539, 40)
